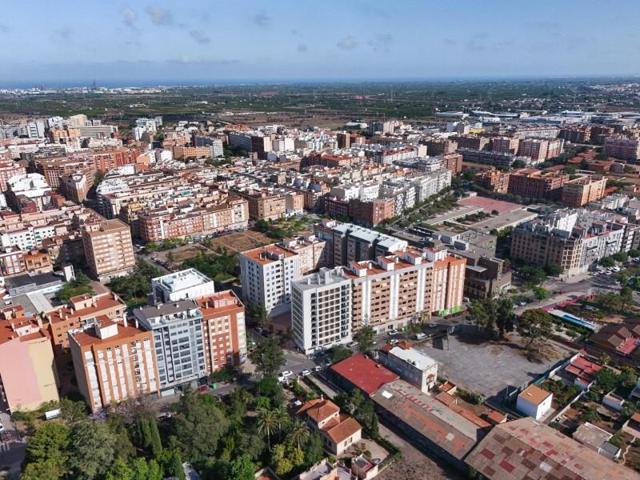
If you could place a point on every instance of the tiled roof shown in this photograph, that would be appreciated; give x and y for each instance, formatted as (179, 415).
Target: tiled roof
(364, 373)
(525, 449)
(342, 429)
(319, 409)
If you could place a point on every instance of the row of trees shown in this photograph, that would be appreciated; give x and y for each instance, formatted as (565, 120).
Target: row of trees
(496, 318)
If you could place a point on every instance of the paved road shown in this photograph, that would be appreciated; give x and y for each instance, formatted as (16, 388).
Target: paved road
(12, 447)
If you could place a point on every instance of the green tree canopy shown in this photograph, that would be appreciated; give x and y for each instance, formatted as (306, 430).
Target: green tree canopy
(268, 357)
(365, 339)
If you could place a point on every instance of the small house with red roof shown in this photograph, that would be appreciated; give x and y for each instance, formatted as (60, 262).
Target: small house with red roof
(359, 371)
(338, 431)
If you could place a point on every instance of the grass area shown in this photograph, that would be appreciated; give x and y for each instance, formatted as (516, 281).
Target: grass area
(79, 286)
(282, 228)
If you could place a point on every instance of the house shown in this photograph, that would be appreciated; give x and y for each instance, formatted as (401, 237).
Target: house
(338, 431)
(596, 439)
(613, 401)
(325, 470)
(621, 339)
(534, 401)
(363, 468)
(526, 449)
(632, 426)
(580, 372)
(359, 371)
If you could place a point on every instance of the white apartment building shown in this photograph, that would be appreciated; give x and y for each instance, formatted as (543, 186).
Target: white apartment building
(266, 274)
(321, 310)
(189, 283)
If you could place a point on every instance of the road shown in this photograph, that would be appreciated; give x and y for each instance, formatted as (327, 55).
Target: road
(12, 447)
(569, 289)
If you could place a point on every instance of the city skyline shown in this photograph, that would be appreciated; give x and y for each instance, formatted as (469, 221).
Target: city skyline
(75, 43)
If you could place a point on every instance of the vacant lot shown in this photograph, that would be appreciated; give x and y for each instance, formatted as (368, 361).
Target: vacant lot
(489, 368)
(240, 241)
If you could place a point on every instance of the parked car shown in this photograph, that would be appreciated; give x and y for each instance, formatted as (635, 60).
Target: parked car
(305, 372)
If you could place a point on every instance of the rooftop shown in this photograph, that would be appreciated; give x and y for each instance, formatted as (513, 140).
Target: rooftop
(268, 254)
(431, 418)
(364, 373)
(416, 358)
(182, 280)
(525, 449)
(534, 394)
(318, 409)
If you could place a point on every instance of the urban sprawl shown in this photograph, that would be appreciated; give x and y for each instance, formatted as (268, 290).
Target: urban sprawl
(432, 299)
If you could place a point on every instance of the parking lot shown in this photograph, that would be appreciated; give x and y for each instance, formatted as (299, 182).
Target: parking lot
(488, 368)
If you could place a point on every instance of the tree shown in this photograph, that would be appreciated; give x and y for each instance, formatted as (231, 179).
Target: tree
(146, 434)
(48, 449)
(47, 469)
(258, 314)
(199, 424)
(606, 380)
(365, 339)
(267, 423)
(280, 460)
(493, 316)
(120, 470)
(570, 169)
(518, 164)
(338, 353)
(299, 434)
(92, 449)
(553, 269)
(626, 296)
(533, 325)
(72, 411)
(171, 462)
(541, 293)
(314, 450)
(634, 253)
(268, 357)
(242, 468)
(628, 377)
(607, 262)
(79, 286)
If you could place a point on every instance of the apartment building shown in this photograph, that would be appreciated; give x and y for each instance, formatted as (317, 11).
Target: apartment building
(181, 152)
(321, 311)
(447, 292)
(452, 162)
(391, 291)
(264, 205)
(78, 311)
(494, 180)
(622, 148)
(351, 243)
(312, 251)
(9, 169)
(580, 191)
(505, 144)
(108, 249)
(178, 337)
(532, 183)
(485, 277)
(189, 283)
(165, 223)
(113, 362)
(371, 213)
(224, 330)
(266, 275)
(441, 147)
(540, 149)
(472, 142)
(27, 375)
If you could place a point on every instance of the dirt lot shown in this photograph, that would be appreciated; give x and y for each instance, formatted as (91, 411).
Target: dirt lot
(489, 368)
(240, 241)
(413, 465)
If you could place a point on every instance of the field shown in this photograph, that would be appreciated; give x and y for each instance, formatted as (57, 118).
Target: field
(239, 241)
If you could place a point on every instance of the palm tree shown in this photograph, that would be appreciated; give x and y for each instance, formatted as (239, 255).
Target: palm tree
(283, 419)
(268, 423)
(299, 433)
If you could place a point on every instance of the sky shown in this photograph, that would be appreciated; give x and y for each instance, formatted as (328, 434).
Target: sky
(47, 42)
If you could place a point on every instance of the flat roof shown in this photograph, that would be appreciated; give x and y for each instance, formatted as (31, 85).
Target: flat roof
(182, 280)
(364, 373)
(414, 357)
(534, 394)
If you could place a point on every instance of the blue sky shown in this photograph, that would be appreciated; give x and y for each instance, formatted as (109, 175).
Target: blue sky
(78, 41)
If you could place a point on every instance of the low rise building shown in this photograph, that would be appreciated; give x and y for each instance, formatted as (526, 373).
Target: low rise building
(534, 402)
(189, 283)
(412, 365)
(338, 431)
